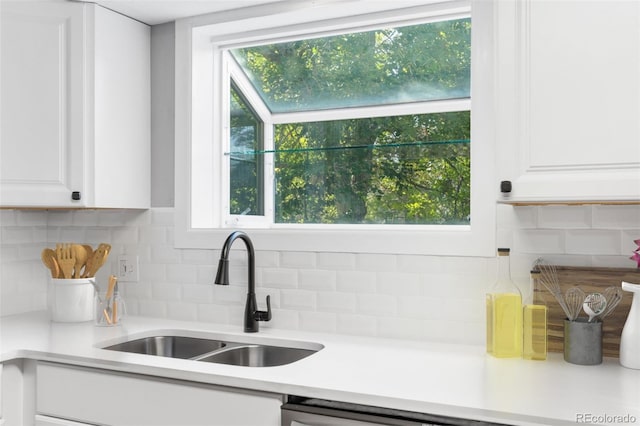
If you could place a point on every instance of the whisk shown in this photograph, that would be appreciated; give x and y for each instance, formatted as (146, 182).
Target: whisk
(549, 279)
(613, 296)
(574, 298)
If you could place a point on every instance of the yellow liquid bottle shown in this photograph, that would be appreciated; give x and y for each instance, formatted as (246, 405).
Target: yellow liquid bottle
(504, 313)
(534, 324)
(535, 332)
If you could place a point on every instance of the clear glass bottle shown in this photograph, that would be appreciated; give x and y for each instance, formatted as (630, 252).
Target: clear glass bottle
(534, 323)
(504, 313)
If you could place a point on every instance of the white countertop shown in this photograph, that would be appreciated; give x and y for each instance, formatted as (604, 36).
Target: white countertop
(451, 380)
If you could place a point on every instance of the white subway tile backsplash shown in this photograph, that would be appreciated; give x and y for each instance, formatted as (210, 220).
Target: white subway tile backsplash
(398, 283)
(124, 235)
(228, 294)
(359, 325)
(166, 291)
(282, 318)
(84, 217)
(181, 273)
(565, 217)
(336, 261)
(419, 264)
(267, 259)
(9, 254)
(183, 311)
(520, 217)
(298, 299)
(356, 281)
(73, 234)
(18, 235)
(399, 328)
(206, 274)
(95, 236)
(616, 217)
(200, 257)
(152, 272)
(289, 259)
(376, 262)
(315, 279)
(416, 307)
(213, 313)
(376, 304)
(165, 254)
(160, 217)
(280, 278)
(31, 218)
(539, 241)
(112, 218)
(321, 322)
(152, 308)
(336, 302)
(396, 296)
(594, 241)
(154, 235)
(8, 217)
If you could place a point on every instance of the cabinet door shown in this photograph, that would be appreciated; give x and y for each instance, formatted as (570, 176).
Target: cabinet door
(53, 421)
(41, 151)
(569, 99)
(112, 398)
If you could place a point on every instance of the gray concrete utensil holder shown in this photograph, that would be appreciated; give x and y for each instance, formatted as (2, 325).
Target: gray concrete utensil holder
(583, 342)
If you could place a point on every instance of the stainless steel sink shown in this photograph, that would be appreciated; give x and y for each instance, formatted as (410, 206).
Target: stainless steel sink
(169, 346)
(258, 355)
(247, 354)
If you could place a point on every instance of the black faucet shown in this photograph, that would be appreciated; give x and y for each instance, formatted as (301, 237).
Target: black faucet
(251, 313)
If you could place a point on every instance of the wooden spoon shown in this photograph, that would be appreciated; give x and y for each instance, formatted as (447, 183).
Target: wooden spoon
(48, 257)
(97, 259)
(81, 256)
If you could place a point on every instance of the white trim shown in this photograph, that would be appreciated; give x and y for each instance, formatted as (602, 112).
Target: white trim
(478, 239)
(426, 107)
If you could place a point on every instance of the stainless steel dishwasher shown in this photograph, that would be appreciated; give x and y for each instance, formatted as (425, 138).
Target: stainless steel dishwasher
(299, 411)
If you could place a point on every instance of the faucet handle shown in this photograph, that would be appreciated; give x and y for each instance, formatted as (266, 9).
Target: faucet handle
(264, 315)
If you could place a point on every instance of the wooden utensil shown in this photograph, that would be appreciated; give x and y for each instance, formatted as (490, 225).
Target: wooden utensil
(48, 257)
(97, 259)
(89, 250)
(66, 259)
(81, 256)
(109, 313)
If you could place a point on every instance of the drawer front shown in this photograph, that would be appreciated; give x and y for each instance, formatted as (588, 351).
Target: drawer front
(112, 398)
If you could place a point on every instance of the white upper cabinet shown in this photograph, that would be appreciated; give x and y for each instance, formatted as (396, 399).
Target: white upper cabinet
(75, 124)
(568, 100)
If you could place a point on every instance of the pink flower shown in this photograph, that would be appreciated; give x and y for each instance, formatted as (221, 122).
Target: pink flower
(636, 253)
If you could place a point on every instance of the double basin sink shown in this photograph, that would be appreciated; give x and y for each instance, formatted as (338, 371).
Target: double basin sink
(218, 351)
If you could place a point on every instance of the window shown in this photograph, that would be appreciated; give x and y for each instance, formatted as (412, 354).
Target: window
(390, 167)
(356, 127)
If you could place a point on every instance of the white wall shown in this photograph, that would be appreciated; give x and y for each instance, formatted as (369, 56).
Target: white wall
(414, 297)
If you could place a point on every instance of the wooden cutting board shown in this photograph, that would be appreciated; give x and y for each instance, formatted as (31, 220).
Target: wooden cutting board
(589, 279)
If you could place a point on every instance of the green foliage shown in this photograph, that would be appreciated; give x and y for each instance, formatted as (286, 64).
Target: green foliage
(398, 169)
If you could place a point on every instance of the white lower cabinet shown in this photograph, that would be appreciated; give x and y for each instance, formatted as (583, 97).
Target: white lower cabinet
(1, 420)
(52, 421)
(69, 395)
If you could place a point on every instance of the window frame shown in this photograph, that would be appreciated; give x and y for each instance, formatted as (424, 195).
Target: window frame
(201, 92)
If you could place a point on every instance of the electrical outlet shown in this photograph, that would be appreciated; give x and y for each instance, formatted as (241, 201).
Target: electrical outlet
(128, 268)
